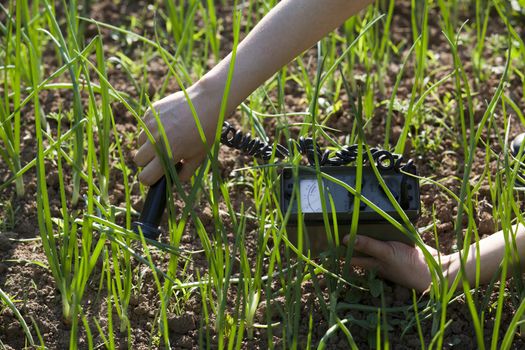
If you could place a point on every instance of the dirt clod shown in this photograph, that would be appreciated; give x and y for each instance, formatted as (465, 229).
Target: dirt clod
(486, 224)
(5, 243)
(181, 324)
(185, 342)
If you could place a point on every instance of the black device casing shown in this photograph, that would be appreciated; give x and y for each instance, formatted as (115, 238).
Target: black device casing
(404, 189)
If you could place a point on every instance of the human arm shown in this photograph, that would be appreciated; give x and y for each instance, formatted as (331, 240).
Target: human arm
(491, 254)
(406, 265)
(287, 30)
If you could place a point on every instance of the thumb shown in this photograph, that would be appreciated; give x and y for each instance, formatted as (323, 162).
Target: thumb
(372, 247)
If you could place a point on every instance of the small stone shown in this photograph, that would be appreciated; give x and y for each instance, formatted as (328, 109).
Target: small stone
(133, 300)
(11, 234)
(181, 324)
(138, 205)
(25, 227)
(486, 224)
(445, 227)
(141, 310)
(13, 330)
(135, 189)
(185, 342)
(5, 243)
(53, 179)
(484, 191)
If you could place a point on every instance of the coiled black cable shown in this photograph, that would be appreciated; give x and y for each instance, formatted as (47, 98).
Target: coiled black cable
(383, 159)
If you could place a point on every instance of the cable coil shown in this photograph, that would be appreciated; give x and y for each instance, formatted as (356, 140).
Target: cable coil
(384, 160)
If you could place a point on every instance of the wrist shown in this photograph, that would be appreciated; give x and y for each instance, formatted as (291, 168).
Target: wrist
(210, 89)
(207, 85)
(214, 82)
(451, 267)
(206, 98)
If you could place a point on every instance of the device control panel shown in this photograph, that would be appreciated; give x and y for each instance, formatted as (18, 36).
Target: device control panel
(404, 189)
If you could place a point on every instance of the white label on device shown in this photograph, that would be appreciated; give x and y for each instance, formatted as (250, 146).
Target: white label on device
(310, 196)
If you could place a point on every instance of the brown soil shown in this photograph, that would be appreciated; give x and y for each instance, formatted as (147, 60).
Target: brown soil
(39, 301)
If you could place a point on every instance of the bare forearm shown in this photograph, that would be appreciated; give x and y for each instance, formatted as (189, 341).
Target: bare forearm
(287, 30)
(491, 253)
(290, 28)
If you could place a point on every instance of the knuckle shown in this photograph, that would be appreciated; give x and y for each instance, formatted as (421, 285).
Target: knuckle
(390, 250)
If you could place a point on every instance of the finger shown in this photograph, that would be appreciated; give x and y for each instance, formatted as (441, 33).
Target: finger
(366, 263)
(143, 137)
(346, 239)
(189, 167)
(145, 154)
(152, 126)
(431, 250)
(147, 115)
(372, 247)
(152, 172)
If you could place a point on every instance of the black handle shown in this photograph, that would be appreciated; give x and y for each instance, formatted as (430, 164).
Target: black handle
(154, 207)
